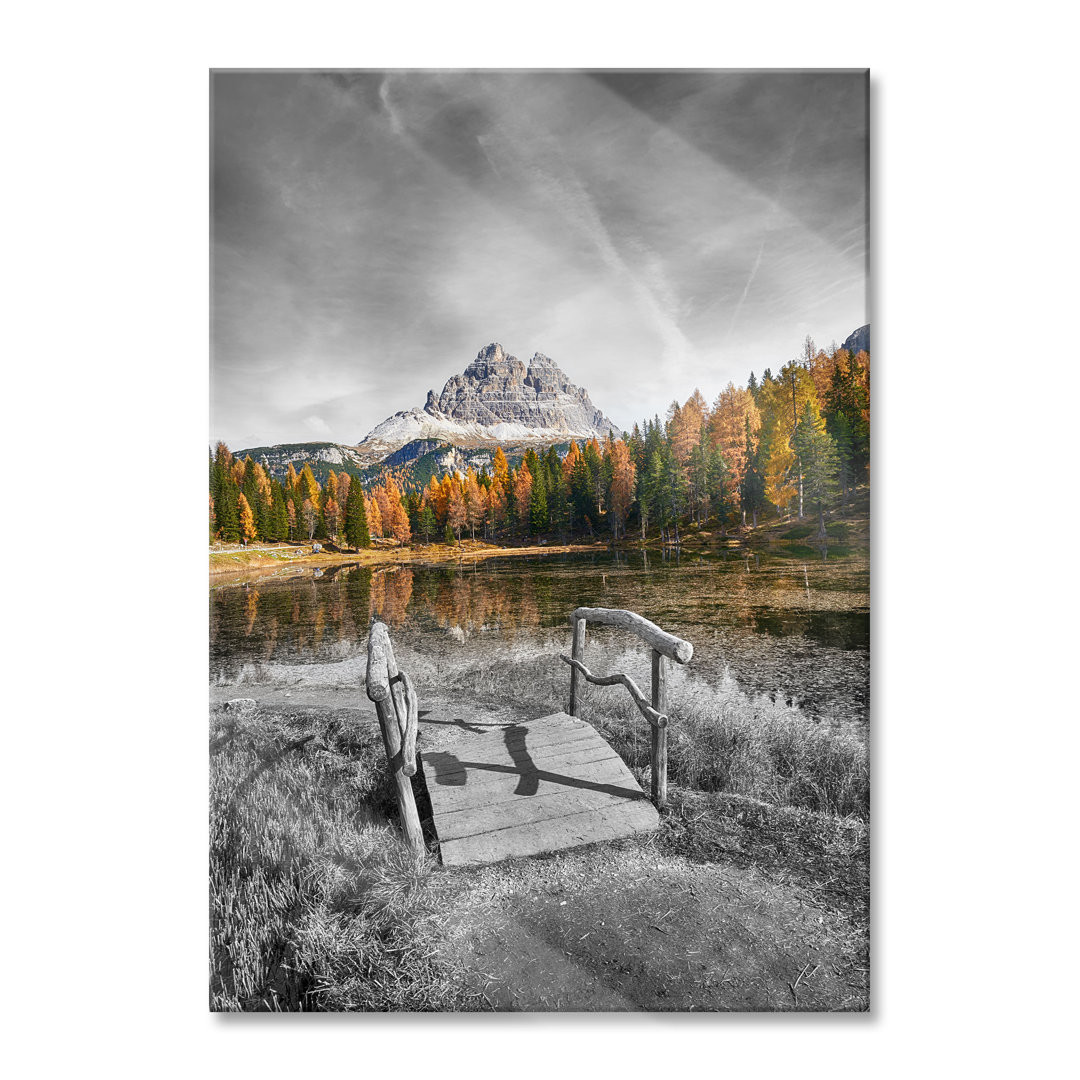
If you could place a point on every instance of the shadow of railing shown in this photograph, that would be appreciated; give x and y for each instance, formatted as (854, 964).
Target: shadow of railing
(452, 771)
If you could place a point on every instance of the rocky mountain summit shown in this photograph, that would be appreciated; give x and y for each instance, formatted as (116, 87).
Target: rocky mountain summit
(497, 399)
(858, 340)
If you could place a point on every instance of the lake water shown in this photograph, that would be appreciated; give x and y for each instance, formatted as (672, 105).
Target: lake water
(788, 620)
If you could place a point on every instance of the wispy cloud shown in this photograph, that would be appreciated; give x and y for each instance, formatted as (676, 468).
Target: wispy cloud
(652, 233)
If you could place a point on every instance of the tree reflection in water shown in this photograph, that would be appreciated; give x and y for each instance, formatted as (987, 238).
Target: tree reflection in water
(775, 620)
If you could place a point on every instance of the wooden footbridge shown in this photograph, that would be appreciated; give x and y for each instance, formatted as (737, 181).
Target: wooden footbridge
(527, 788)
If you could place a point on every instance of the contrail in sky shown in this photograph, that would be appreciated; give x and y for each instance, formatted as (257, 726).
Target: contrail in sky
(746, 287)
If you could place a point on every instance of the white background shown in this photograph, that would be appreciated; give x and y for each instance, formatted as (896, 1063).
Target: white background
(974, 707)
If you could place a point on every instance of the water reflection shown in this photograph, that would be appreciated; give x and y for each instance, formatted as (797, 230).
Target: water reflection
(778, 620)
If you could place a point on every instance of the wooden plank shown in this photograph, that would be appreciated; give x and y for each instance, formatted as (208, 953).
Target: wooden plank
(555, 802)
(608, 775)
(541, 786)
(478, 773)
(534, 839)
(447, 764)
(536, 736)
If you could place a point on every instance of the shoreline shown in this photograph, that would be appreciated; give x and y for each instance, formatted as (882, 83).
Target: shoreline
(282, 559)
(231, 563)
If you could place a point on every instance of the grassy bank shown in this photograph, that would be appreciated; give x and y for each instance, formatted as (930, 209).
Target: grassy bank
(720, 739)
(315, 903)
(231, 559)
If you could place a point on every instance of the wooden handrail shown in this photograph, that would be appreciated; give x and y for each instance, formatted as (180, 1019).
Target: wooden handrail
(675, 648)
(650, 714)
(663, 645)
(397, 709)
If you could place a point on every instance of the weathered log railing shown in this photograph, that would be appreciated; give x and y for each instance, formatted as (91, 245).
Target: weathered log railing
(663, 645)
(395, 702)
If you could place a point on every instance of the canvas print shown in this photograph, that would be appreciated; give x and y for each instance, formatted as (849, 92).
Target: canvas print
(539, 520)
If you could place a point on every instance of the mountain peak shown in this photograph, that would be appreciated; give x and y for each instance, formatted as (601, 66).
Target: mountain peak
(858, 340)
(497, 399)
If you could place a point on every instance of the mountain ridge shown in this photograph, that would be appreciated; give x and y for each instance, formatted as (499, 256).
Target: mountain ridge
(496, 400)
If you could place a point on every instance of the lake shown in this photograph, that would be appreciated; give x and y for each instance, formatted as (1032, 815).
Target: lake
(786, 620)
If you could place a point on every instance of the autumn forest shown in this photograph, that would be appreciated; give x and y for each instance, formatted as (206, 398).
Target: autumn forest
(792, 443)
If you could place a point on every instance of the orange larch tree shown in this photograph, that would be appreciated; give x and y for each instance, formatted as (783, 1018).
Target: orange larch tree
(456, 515)
(374, 516)
(247, 519)
(727, 424)
(523, 483)
(623, 478)
(475, 503)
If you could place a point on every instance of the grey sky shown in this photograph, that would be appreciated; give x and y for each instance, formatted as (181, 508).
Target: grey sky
(650, 232)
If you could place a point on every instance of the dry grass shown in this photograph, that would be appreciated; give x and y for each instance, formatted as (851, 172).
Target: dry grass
(720, 739)
(257, 560)
(315, 904)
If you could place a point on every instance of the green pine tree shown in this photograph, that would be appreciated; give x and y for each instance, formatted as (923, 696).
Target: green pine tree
(538, 507)
(820, 462)
(427, 522)
(356, 526)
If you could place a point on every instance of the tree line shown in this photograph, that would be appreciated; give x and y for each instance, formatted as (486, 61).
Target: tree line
(792, 442)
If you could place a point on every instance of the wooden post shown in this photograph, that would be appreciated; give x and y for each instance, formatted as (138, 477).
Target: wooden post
(578, 653)
(659, 734)
(381, 669)
(410, 819)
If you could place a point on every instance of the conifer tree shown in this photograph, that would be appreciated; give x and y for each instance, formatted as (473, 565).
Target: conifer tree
(398, 522)
(279, 515)
(622, 487)
(817, 452)
(375, 523)
(226, 510)
(307, 488)
(581, 492)
(247, 519)
(717, 483)
(752, 490)
(538, 506)
(331, 514)
(356, 526)
(427, 521)
(455, 512)
(475, 503)
(500, 468)
(310, 516)
(594, 460)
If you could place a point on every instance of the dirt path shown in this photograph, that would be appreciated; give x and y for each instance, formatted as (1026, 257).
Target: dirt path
(625, 927)
(636, 925)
